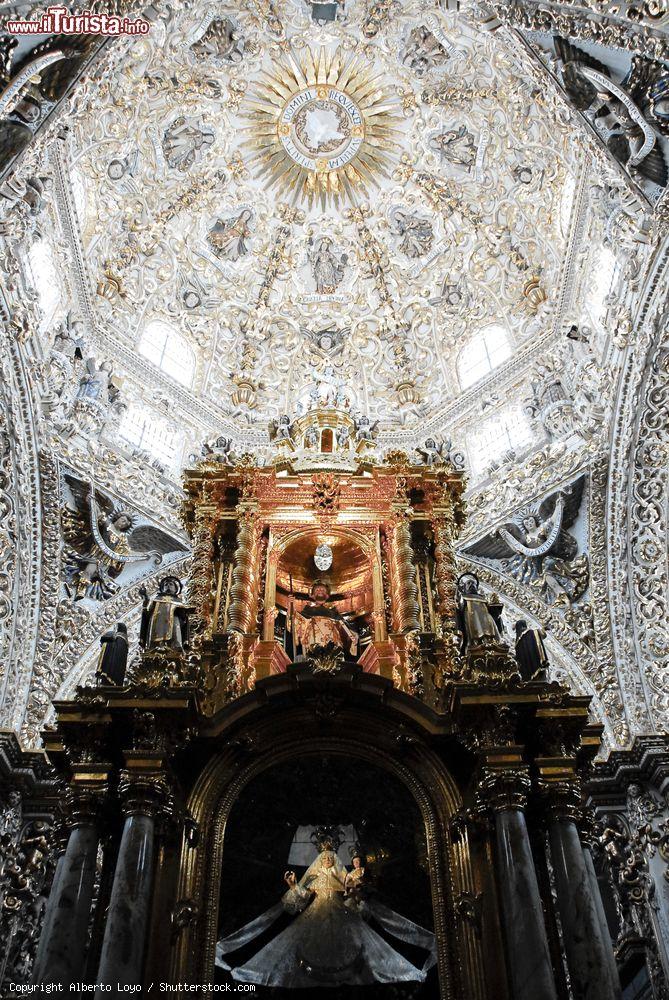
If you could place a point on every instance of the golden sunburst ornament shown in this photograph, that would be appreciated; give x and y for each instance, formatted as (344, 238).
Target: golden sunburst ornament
(324, 125)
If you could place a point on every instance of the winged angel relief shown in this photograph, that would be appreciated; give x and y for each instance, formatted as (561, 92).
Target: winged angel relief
(105, 541)
(538, 551)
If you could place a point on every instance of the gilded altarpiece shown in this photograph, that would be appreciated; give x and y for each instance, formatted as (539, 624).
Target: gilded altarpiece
(388, 533)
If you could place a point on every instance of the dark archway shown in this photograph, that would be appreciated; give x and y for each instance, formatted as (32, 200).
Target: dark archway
(287, 720)
(336, 792)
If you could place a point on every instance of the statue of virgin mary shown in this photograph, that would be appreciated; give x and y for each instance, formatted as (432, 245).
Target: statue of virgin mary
(330, 943)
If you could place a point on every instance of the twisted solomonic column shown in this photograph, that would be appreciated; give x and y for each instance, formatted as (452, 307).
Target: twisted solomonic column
(444, 569)
(200, 586)
(445, 579)
(408, 612)
(240, 612)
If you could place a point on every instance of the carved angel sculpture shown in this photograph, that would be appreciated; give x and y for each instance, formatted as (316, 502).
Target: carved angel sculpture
(423, 51)
(417, 234)
(229, 237)
(219, 450)
(365, 430)
(220, 41)
(281, 429)
(538, 551)
(102, 538)
(630, 111)
(436, 452)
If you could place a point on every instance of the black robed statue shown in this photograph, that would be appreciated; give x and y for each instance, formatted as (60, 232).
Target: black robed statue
(165, 617)
(113, 658)
(531, 652)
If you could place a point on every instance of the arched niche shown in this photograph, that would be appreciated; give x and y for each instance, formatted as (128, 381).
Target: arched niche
(356, 569)
(327, 440)
(267, 833)
(371, 738)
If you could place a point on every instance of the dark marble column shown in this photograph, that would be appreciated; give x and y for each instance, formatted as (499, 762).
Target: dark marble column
(62, 947)
(124, 941)
(524, 929)
(601, 914)
(39, 965)
(588, 950)
(528, 954)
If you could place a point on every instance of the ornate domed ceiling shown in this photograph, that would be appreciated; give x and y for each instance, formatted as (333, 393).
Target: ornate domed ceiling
(425, 216)
(324, 209)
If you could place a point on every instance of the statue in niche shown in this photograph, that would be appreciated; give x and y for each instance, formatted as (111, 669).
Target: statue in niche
(536, 549)
(343, 437)
(228, 237)
(330, 943)
(328, 269)
(183, 142)
(319, 624)
(113, 658)
(311, 438)
(531, 652)
(102, 538)
(417, 234)
(423, 51)
(458, 146)
(628, 115)
(165, 618)
(479, 617)
(221, 40)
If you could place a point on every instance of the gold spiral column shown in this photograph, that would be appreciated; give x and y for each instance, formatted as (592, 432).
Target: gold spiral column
(444, 530)
(201, 583)
(406, 604)
(241, 610)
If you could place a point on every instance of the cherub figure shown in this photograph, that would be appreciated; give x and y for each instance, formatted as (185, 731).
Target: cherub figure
(281, 429)
(365, 430)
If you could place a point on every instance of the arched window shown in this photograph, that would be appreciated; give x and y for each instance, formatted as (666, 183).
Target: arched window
(507, 429)
(45, 279)
(567, 202)
(142, 429)
(604, 273)
(482, 354)
(169, 351)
